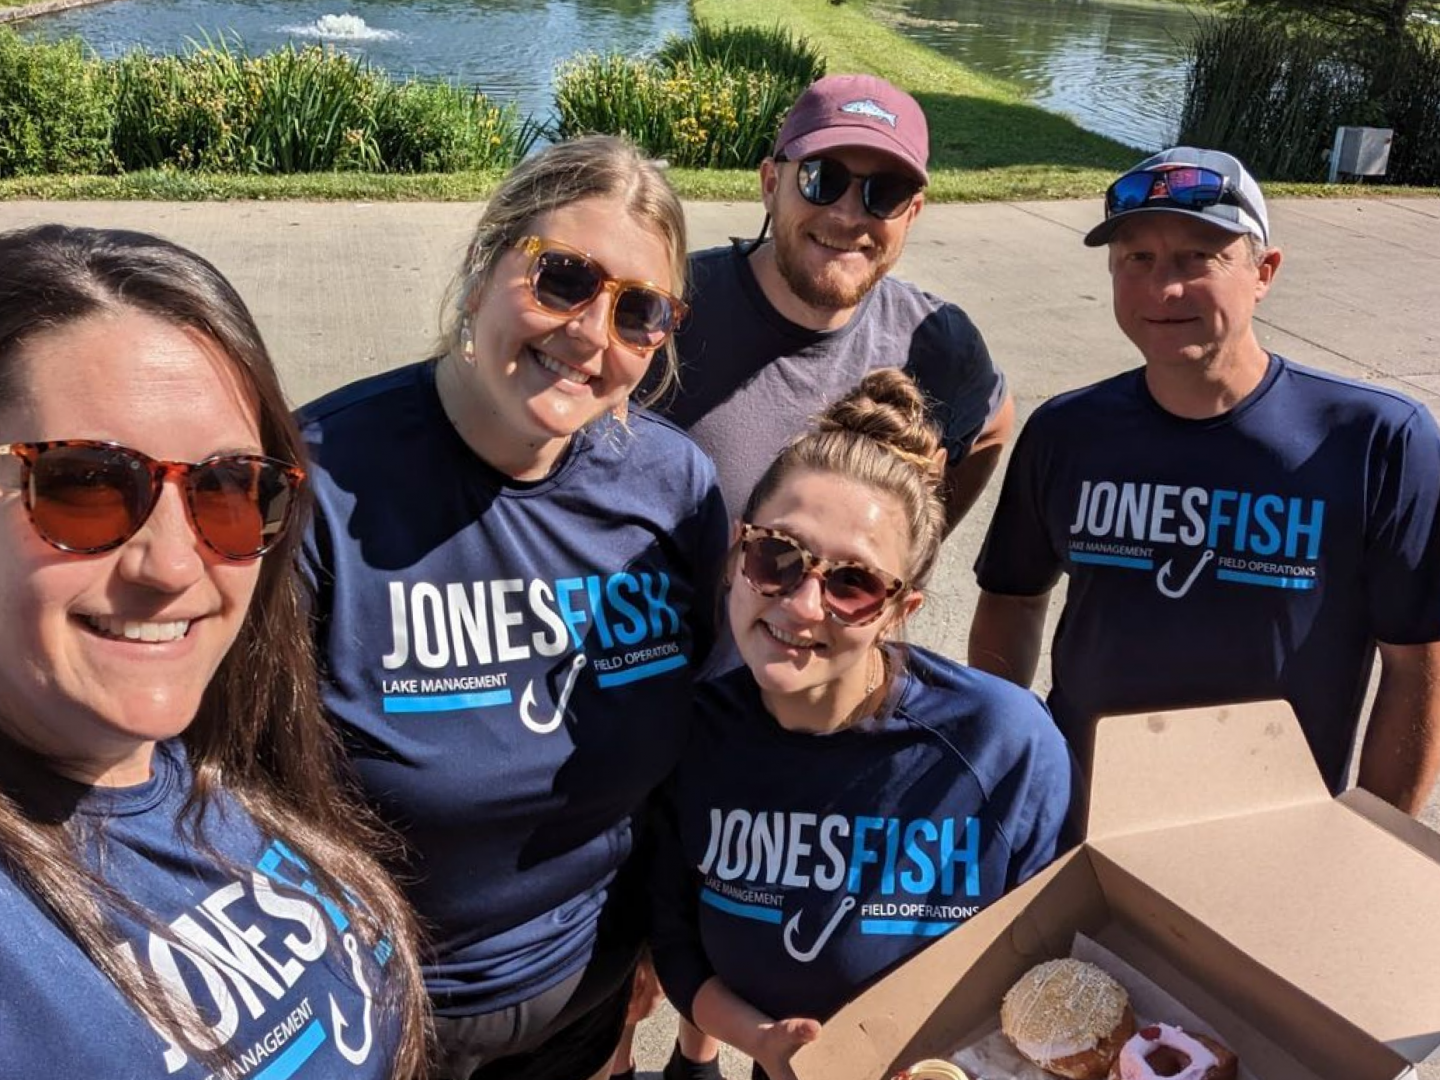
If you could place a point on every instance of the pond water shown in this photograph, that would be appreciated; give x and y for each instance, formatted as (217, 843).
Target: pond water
(1114, 66)
(508, 48)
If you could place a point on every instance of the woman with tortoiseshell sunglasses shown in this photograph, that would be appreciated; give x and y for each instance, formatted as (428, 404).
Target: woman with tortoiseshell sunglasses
(183, 890)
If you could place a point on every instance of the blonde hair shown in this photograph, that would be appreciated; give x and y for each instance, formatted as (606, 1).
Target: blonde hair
(878, 435)
(591, 167)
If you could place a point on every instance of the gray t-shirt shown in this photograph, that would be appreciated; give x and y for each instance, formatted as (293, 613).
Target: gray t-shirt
(751, 379)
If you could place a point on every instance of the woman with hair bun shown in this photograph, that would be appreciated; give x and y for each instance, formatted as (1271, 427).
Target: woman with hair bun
(845, 798)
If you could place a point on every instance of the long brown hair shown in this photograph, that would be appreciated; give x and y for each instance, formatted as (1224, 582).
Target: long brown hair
(259, 734)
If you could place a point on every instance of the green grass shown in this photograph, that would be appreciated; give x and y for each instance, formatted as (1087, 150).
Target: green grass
(176, 186)
(995, 185)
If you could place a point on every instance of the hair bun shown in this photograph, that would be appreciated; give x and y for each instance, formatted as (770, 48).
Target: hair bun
(879, 435)
(888, 408)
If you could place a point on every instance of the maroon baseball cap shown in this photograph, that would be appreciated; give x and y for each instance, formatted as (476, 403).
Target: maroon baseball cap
(840, 111)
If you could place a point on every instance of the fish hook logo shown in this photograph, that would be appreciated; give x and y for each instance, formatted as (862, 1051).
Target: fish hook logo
(1175, 592)
(806, 955)
(354, 1055)
(527, 700)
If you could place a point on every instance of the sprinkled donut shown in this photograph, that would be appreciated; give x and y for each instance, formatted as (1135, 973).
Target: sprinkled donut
(1163, 1052)
(1068, 1017)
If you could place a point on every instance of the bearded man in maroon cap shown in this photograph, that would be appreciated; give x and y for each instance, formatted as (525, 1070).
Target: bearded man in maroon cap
(780, 328)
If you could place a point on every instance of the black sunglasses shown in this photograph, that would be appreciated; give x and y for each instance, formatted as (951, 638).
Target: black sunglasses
(884, 195)
(85, 496)
(563, 281)
(776, 564)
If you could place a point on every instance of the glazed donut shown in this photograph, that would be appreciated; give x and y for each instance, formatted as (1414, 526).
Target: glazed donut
(1161, 1051)
(1068, 1017)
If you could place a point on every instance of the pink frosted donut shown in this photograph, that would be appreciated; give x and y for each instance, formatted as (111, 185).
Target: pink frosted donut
(1180, 1055)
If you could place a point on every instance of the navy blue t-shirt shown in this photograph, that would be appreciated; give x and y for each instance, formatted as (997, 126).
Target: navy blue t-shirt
(800, 867)
(1257, 554)
(273, 976)
(510, 662)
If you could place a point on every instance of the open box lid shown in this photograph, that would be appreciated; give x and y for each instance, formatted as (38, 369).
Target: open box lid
(1154, 770)
(1223, 813)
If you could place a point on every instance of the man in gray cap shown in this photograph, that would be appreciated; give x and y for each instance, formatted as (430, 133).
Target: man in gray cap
(780, 328)
(1235, 527)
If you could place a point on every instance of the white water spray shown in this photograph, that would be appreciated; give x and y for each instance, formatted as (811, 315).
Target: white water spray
(344, 27)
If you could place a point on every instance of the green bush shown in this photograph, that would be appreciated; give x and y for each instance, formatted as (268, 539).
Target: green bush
(217, 109)
(55, 109)
(314, 112)
(714, 99)
(747, 48)
(438, 127)
(178, 112)
(700, 115)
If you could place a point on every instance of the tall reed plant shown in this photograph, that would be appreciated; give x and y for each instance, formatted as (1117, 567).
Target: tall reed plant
(217, 108)
(1412, 108)
(313, 111)
(1273, 94)
(174, 112)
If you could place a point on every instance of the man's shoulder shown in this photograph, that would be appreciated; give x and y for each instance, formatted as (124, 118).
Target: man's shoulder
(1091, 400)
(709, 268)
(719, 287)
(710, 256)
(894, 297)
(900, 318)
(1328, 390)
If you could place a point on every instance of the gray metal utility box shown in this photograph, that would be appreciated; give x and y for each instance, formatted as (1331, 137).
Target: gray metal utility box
(1361, 151)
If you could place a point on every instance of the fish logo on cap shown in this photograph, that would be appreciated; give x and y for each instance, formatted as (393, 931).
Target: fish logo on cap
(870, 108)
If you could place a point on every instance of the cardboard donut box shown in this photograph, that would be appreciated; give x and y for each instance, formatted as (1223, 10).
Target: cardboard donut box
(1305, 930)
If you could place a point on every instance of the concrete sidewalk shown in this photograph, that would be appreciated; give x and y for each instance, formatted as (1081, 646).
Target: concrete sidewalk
(343, 290)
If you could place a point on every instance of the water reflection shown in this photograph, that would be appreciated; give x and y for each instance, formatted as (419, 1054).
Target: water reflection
(508, 48)
(1114, 66)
